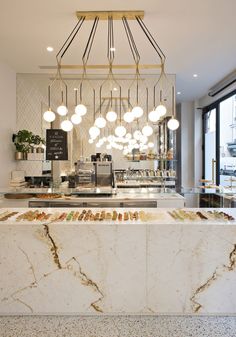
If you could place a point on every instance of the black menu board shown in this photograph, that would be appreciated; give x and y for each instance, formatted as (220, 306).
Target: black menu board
(56, 144)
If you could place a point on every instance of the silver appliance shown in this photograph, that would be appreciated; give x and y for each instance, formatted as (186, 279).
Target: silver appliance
(103, 174)
(94, 174)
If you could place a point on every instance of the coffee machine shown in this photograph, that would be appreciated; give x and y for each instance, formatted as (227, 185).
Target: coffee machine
(95, 173)
(103, 174)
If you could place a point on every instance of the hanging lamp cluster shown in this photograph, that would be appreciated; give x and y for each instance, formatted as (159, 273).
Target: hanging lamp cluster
(129, 127)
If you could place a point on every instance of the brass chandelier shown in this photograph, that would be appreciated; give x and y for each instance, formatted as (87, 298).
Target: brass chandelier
(119, 122)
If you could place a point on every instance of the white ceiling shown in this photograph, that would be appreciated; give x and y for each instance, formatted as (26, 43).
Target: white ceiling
(196, 36)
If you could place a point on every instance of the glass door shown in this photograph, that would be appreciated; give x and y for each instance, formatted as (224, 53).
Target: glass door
(210, 145)
(227, 146)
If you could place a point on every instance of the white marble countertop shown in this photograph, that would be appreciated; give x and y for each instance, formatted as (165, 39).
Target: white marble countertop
(153, 267)
(141, 193)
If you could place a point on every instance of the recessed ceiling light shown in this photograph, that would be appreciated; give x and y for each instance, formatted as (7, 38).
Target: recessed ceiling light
(178, 92)
(195, 75)
(50, 49)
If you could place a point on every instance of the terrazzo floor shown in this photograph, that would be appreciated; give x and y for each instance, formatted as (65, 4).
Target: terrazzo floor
(117, 326)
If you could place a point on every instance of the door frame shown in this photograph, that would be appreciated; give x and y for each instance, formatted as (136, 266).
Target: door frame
(214, 105)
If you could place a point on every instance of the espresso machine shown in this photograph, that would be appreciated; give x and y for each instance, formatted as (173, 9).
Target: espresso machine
(103, 173)
(97, 173)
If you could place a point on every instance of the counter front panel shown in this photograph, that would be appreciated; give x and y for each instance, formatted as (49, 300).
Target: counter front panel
(152, 263)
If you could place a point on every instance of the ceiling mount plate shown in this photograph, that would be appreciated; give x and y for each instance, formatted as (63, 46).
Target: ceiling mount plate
(104, 15)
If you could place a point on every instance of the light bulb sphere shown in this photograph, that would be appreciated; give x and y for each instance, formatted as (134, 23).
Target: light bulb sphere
(128, 117)
(147, 130)
(120, 131)
(110, 138)
(150, 145)
(76, 119)
(161, 110)
(81, 109)
(153, 116)
(137, 134)
(143, 139)
(137, 111)
(94, 132)
(66, 125)
(173, 124)
(90, 141)
(111, 116)
(133, 141)
(62, 110)
(49, 116)
(108, 146)
(100, 122)
(128, 135)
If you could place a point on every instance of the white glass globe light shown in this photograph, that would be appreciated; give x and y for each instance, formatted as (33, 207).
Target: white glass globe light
(76, 119)
(66, 125)
(111, 116)
(133, 141)
(150, 145)
(90, 141)
(62, 110)
(81, 109)
(137, 111)
(98, 145)
(173, 124)
(49, 116)
(128, 135)
(153, 116)
(161, 110)
(108, 146)
(143, 139)
(137, 134)
(120, 131)
(128, 117)
(94, 132)
(100, 122)
(147, 130)
(110, 138)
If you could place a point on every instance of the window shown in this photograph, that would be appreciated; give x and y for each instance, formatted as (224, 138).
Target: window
(227, 139)
(219, 140)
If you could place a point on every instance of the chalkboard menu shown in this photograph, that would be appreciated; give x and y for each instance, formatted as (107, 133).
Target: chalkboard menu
(56, 144)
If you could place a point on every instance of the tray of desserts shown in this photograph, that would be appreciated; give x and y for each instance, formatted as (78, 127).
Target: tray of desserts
(80, 215)
(48, 196)
(57, 216)
(210, 215)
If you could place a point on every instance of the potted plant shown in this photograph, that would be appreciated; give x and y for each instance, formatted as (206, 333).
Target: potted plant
(37, 140)
(24, 142)
(21, 142)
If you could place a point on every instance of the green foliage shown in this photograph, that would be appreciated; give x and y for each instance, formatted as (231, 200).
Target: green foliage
(24, 140)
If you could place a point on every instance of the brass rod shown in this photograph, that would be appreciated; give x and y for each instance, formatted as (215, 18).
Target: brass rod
(115, 15)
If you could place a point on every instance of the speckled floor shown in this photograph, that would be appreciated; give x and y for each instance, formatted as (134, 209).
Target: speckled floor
(117, 326)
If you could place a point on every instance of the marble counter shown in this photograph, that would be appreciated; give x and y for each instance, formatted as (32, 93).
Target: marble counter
(134, 195)
(156, 267)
